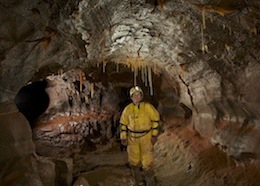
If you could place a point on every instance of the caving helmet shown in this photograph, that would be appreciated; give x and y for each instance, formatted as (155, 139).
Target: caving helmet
(134, 90)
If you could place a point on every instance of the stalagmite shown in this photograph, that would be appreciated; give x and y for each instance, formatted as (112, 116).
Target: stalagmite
(86, 98)
(95, 125)
(91, 130)
(60, 71)
(87, 129)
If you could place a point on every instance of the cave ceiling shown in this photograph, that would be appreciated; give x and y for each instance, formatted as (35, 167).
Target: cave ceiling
(210, 48)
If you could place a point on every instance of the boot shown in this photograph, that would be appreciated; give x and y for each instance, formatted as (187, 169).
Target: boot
(150, 178)
(136, 172)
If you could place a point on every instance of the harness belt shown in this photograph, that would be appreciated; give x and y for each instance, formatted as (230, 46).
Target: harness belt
(139, 132)
(142, 133)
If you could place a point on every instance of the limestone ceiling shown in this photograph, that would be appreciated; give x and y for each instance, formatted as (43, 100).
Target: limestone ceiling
(198, 42)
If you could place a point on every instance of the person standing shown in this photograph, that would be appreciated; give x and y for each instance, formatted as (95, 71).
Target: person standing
(139, 124)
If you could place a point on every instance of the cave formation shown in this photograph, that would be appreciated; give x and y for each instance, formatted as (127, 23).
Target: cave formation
(66, 69)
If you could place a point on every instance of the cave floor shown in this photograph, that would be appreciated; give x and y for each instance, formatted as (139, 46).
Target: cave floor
(182, 157)
(107, 165)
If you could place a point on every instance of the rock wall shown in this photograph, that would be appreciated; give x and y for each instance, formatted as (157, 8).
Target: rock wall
(19, 163)
(16, 135)
(79, 111)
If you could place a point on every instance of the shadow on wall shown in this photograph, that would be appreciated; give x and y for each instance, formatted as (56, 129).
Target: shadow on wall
(32, 100)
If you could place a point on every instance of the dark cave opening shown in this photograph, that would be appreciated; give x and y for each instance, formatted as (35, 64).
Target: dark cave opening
(32, 100)
(88, 107)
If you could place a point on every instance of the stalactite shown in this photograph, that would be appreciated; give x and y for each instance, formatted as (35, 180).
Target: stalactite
(92, 90)
(150, 81)
(160, 3)
(80, 81)
(254, 30)
(138, 64)
(203, 18)
(220, 9)
(182, 68)
(104, 66)
(46, 42)
(202, 40)
(227, 47)
(204, 47)
(103, 44)
(154, 67)
(146, 77)
(117, 67)
(135, 76)
(143, 75)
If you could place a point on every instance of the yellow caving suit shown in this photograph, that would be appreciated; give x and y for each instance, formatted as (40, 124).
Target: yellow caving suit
(138, 124)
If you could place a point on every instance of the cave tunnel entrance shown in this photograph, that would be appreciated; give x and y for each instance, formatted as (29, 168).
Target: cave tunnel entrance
(32, 100)
(81, 108)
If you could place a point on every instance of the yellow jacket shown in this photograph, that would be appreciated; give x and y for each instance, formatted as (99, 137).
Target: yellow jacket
(138, 120)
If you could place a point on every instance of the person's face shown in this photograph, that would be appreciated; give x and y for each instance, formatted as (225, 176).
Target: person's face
(137, 97)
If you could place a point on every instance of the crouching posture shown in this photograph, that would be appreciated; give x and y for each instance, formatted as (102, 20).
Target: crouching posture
(139, 129)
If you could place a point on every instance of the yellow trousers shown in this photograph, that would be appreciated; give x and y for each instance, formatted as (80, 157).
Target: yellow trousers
(140, 150)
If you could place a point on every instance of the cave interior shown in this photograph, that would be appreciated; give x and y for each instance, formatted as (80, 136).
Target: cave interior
(66, 68)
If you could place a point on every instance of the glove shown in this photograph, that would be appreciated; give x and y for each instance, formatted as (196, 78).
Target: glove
(154, 139)
(124, 142)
